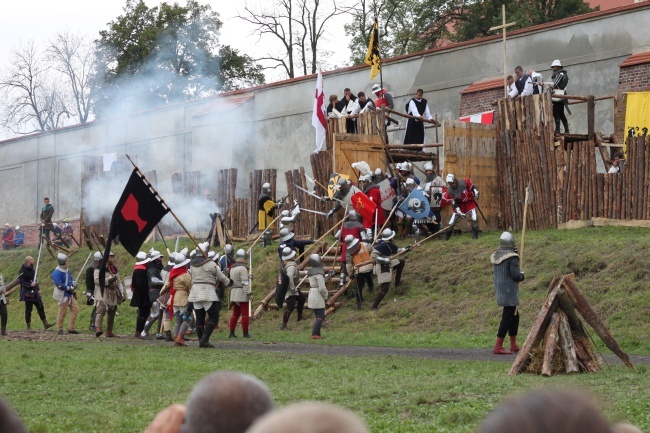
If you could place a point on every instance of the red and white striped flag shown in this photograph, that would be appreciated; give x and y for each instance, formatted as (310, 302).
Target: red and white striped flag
(486, 117)
(318, 116)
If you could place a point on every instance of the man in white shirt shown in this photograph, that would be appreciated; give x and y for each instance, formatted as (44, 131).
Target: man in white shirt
(363, 104)
(419, 108)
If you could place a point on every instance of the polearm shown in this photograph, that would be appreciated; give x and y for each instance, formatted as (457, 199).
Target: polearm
(171, 211)
(84, 265)
(261, 234)
(318, 240)
(163, 239)
(384, 226)
(419, 242)
(523, 229)
(38, 260)
(480, 211)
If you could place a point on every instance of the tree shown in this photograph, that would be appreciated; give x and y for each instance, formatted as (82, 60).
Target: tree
(482, 15)
(298, 26)
(151, 56)
(73, 56)
(405, 26)
(33, 101)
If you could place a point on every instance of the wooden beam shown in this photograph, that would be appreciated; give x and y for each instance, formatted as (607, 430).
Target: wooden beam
(591, 117)
(607, 222)
(414, 146)
(566, 345)
(539, 327)
(590, 316)
(408, 116)
(549, 344)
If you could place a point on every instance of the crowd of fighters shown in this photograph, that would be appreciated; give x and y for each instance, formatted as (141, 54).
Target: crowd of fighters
(188, 292)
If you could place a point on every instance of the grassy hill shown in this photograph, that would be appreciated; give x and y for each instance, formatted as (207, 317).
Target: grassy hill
(447, 298)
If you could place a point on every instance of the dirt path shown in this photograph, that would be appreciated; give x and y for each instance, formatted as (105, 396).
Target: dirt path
(320, 348)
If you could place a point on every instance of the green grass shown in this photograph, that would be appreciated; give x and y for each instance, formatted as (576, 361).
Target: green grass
(108, 387)
(447, 299)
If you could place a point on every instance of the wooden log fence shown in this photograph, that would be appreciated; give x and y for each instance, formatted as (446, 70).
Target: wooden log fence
(563, 175)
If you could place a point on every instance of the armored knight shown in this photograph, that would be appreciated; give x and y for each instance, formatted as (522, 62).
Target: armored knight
(384, 264)
(462, 196)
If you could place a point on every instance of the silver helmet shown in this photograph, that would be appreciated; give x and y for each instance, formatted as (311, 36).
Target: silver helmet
(315, 261)
(351, 242)
(241, 254)
(353, 216)
(98, 256)
(428, 166)
(229, 250)
(285, 234)
(507, 240)
(61, 259)
(387, 235)
(266, 188)
(288, 253)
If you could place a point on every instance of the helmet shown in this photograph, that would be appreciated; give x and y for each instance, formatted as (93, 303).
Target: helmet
(288, 253)
(205, 246)
(450, 178)
(378, 172)
(6, 224)
(364, 177)
(241, 254)
(410, 183)
(507, 240)
(98, 256)
(184, 251)
(54, 224)
(353, 215)
(342, 182)
(387, 235)
(180, 260)
(555, 63)
(351, 242)
(428, 166)
(212, 255)
(315, 261)
(266, 187)
(285, 234)
(154, 255)
(111, 254)
(398, 166)
(17, 228)
(61, 259)
(229, 250)
(141, 258)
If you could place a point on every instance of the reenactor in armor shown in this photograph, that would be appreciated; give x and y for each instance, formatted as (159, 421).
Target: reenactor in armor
(240, 294)
(107, 301)
(293, 297)
(317, 293)
(360, 265)
(384, 264)
(266, 207)
(462, 195)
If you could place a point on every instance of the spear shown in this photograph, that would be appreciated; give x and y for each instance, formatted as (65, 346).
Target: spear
(527, 201)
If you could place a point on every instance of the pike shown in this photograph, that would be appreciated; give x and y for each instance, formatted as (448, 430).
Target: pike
(528, 200)
(163, 239)
(83, 266)
(419, 242)
(38, 260)
(314, 211)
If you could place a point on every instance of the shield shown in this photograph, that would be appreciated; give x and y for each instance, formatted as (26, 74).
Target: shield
(415, 205)
(387, 194)
(364, 206)
(435, 195)
(333, 182)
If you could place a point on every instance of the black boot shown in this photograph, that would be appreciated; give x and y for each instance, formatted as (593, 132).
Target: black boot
(398, 273)
(474, 232)
(566, 126)
(557, 126)
(380, 295)
(285, 320)
(168, 336)
(232, 334)
(199, 332)
(448, 234)
(299, 318)
(207, 331)
(247, 335)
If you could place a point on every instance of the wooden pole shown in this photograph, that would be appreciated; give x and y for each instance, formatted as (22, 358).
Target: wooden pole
(523, 229)
(171, 211)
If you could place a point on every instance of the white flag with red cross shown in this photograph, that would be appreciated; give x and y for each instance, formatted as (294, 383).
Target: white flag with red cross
(318, 116)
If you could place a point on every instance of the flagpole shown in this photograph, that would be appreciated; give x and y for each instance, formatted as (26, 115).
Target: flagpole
(381, 74)
(205, 254)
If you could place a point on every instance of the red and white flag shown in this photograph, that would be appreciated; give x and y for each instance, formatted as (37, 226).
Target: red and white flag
(318, 116)
(486, 117)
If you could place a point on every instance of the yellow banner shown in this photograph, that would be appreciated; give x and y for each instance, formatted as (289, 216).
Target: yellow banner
(373, 58)
(637, 115)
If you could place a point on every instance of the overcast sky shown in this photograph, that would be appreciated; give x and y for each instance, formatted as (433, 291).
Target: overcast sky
(39, 20)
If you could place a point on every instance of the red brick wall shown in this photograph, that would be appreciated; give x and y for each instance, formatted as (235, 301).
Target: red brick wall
(635, 78)
(478, 102)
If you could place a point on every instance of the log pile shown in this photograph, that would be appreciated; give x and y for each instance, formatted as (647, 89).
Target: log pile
(563, 176)
(321, 168)
(558, 340)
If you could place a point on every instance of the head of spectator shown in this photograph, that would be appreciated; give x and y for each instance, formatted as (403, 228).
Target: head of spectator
(519, 71)
(618, 157)
(362, 97)
(378, 90)
(309, 417)
(510, 79)
(226, 402)
(419, 94)
(556, 65)
(9, 420)
(46, 200)
(334, 99)
(547, 411)
(348, 93)
(625, 428)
